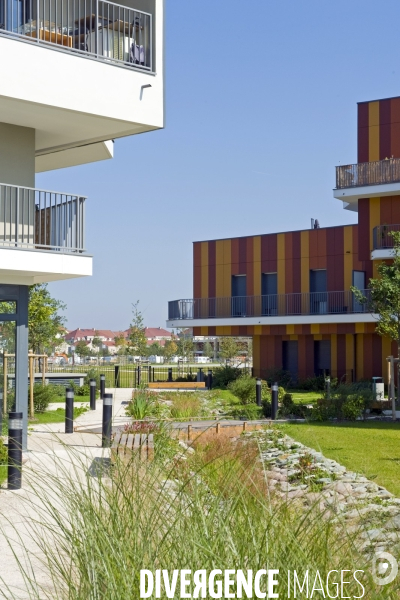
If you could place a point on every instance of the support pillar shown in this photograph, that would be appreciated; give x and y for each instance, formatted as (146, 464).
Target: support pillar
(21, 361)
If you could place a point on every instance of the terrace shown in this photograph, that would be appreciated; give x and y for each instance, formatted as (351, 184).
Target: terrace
(95, 29)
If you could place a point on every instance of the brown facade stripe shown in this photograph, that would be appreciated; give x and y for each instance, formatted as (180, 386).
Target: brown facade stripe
(385, 149)
(212, 272)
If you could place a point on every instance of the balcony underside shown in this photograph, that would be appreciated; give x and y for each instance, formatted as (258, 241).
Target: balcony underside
(26, 267)
(81, 155)
(71, 101)
(350, 196)
(274, 320)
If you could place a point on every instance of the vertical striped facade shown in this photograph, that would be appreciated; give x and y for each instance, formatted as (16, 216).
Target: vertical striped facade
(355, 349)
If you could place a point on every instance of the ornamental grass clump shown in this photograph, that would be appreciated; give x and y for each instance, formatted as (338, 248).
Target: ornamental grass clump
(210, 509)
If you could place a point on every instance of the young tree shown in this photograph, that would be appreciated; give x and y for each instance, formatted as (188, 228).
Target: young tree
(137, 338)
(228, 348)
(44, 320)
(155, 349)
(383, 297)
(170, 349)
(122, 344)
(82, 349)
(96, 341)
(185, 344)
(208, 350)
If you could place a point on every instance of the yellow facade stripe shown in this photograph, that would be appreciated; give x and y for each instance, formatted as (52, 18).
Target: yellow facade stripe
(348, 257)
(219, 283)
(281, 263)
(305, 261)
(374, 217)
(219, 252)
(373, 130)
(334, 355)
(360, 327)
(314, 328)
(349, 352)
(257, 329)
(375, 265)
(360, 356)
(204, 281)
(204, 254)
(294, 338)
(257, 265)
(318, 337)
(289, 329)
(386, 351)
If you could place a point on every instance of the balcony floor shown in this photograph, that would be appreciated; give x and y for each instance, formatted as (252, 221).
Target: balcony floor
(275, 320)
(27, 267)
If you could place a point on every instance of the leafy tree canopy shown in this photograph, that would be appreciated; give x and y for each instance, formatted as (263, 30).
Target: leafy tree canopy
(44, 320)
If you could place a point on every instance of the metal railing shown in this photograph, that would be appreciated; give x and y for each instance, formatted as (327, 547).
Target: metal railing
(103, 30)
(382, 236)
(43, 220)
(313, 303)
(370, 173)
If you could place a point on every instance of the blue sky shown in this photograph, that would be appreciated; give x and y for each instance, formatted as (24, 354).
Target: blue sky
(261, 106)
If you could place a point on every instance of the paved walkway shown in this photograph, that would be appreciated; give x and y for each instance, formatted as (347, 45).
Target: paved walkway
(49, 454)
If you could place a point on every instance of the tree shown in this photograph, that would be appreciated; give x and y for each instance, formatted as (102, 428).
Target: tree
(96, 341)
(82, 349)
(228, 348)
(155, 349)
(185, 344)
(383, 298)
(137, 338)
(44, 321)
(122, 344)
(170, 349)
(208, 350)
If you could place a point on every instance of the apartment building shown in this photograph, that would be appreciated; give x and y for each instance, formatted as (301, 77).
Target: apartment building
(75, 76)
(291, 291)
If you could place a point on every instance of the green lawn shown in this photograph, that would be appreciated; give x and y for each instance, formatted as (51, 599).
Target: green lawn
(54, 416)
(77, 399)
(370, 448)
(305, 397)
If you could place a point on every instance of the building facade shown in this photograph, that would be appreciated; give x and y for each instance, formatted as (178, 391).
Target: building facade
(75, 76)
(291, 291)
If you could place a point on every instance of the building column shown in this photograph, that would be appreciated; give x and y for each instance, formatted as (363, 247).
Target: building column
(21, 360)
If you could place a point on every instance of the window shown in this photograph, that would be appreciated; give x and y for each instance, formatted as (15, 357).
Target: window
(318, 292)
(239, 286)
(358, 282)
(269, 290)
(322, 357)
(290, 358)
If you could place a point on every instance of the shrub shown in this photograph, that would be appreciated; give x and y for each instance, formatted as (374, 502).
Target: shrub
(185, 406)
(244, 388)
(42, 396)
(84, 390)
(3, 453)
(92, 374)
(347, 401)
(279, 376)
(144, 404)
(222, 376)
(311, 384)
(247, 411)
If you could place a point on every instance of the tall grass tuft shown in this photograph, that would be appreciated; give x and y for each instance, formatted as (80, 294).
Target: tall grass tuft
(210, 511)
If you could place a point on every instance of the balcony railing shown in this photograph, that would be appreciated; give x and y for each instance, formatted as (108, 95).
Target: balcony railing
(37, 219)
(371, 173)
(314, 303)
(382, 236)
(99, 29)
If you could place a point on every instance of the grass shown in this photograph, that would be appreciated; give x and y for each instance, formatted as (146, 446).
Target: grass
(209, 511)
(77, 399)
(55, 416)
(370, 448)
(300, 397)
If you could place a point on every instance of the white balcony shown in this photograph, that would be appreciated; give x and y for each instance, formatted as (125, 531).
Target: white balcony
(41, 236)
(80, 73)
(367, 180)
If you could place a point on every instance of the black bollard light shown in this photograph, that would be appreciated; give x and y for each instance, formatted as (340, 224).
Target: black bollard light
(116, 376)
(69, 410)
(102, 386)
(14, 450)
(149, 375)
(107, 421)
(139, 375)
(92, 394)
(258, 391)
(209, 379)
(169, 374)
(274, 408)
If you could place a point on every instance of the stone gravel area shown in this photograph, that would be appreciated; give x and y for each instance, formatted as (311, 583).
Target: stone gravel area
(298, 473)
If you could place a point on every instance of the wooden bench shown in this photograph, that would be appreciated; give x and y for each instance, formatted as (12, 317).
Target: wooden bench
(126, 444)
(177, 385)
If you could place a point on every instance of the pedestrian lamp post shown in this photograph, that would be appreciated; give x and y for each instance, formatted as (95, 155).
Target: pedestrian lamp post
(107, 420)
(102, 386)
(258, 392)
(69, 410)
(328, 387)
(92, 394)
